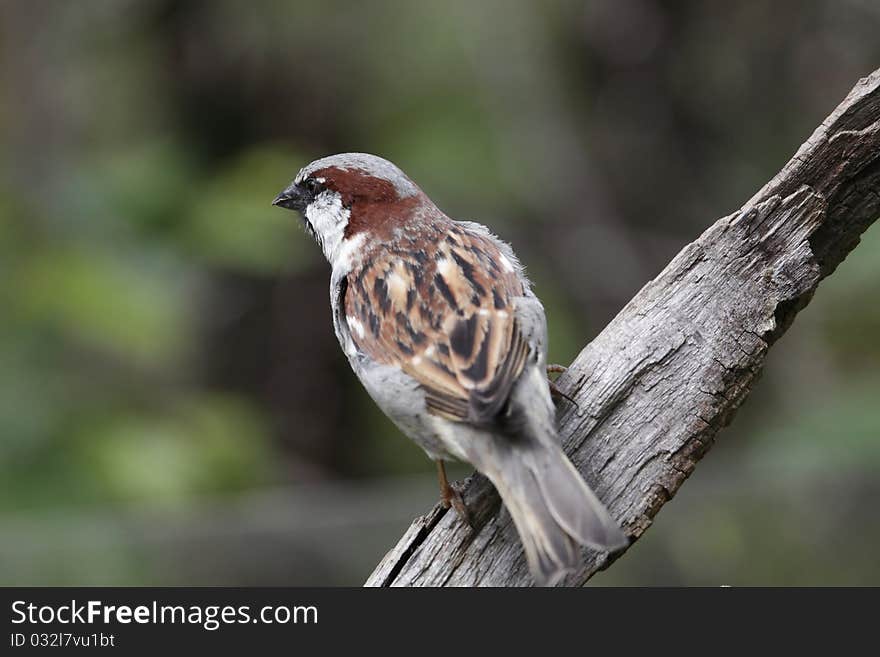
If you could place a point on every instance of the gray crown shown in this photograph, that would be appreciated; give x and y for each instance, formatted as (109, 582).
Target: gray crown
(372, 165)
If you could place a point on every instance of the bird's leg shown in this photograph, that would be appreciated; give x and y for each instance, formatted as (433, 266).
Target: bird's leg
(555, 392)
(449, 496)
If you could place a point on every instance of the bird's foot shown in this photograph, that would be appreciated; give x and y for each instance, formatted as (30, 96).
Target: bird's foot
(555, 392)
(450, 496)
(454, 499)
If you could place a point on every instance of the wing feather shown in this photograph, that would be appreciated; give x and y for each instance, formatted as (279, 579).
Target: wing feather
(442, 310)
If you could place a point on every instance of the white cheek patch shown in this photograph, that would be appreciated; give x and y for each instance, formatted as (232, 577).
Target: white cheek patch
(328, 219)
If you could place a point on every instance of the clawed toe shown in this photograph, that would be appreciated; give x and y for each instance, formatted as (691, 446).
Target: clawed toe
(555, 392)
(451, 496)
(456, 501)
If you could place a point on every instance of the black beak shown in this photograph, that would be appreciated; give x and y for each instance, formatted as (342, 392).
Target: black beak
(292, 198)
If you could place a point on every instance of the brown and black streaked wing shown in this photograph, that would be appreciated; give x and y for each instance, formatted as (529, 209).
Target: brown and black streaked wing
(443, 312)
(483, 402)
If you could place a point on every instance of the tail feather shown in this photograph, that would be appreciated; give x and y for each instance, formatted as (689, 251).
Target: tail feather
(552, 507)
(551, 553)
(571, 502)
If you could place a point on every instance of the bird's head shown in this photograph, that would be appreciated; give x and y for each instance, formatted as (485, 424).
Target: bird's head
(351, 196)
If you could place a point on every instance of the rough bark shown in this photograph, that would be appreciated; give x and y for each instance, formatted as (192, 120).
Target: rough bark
(670, 370)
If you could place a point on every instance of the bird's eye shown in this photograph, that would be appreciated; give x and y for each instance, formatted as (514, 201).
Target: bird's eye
(313, 186)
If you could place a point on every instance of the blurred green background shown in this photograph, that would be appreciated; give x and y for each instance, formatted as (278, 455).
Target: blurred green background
(174, 408)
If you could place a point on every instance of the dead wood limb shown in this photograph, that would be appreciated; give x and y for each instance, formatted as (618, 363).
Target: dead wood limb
(670, 370)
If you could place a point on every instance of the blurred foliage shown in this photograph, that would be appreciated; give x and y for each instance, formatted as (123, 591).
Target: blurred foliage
(165, 338)
(229, 225)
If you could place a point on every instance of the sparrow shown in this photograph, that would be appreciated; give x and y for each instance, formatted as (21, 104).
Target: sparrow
(441, 326)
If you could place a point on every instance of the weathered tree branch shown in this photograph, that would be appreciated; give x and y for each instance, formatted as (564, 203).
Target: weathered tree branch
(671, 369)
